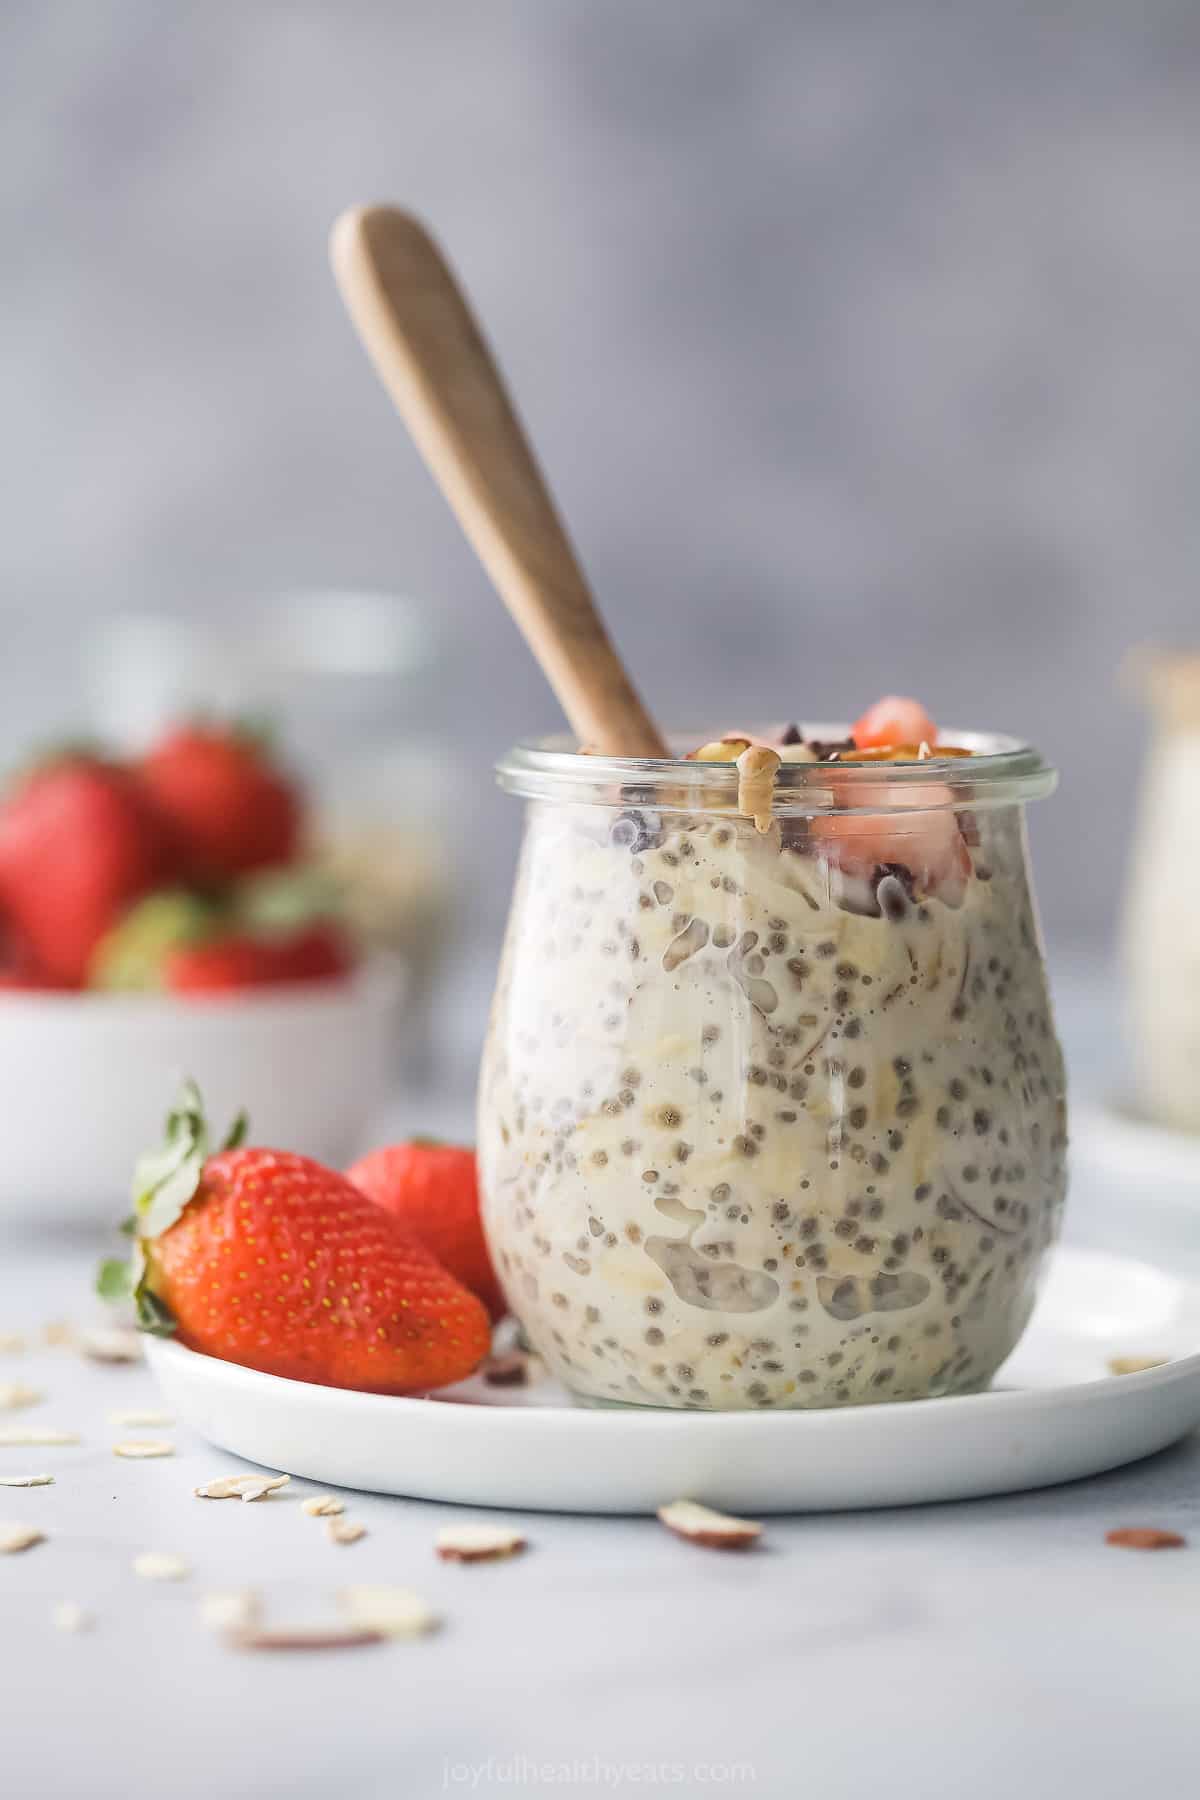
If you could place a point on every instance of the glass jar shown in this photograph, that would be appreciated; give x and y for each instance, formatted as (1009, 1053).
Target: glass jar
(772, 1117)
(1161, 938)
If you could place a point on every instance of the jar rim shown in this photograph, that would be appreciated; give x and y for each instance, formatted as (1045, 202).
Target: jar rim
(1001, 771)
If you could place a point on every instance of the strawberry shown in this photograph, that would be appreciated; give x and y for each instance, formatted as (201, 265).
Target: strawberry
(242, 960)
(270, 1260)
(229, 807)
(894, 720)
(433, 1191)
(78, 845)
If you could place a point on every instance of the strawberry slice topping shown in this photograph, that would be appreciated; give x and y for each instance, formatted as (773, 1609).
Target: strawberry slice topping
(896, 719)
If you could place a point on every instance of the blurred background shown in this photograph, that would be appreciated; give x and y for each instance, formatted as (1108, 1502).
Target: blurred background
(857, 342)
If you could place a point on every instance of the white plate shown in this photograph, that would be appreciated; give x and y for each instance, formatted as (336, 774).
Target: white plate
(89, 1078)
(1055, 1414)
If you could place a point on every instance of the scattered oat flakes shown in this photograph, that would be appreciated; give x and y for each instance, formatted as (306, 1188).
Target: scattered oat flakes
(57, 1333)
(241, 1487)
(11, 1343)
(19, 1537)
(17, 1437)
(1133, 1365)
(231, 1609)
(68, 1615)
(509, 1368)
(26, 1481)
(130, 1416)
(322, 1506)
(161, 1565)
(144, 1447)
(700, 1525)
(394, 1611)
(344, 1531)
(1144, 1537)
(14, 1394)
(112, 1344)
(301, 1637)
(478, 1543)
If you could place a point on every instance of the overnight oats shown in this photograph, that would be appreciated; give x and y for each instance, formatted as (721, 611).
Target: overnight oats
(772, 1107)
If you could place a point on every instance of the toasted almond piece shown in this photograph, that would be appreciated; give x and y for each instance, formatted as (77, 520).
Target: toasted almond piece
(68, 1615)
(57, 1333)
(510, 1368)
(1133, 1365)
(11, 1343)
(757, 768)
(31, 1437)
(1144, 1537)
(700, 1525)
(395, 1611)
(19, 1537)
(322, 1506)
(141, 1448)
(240, 1487)
(161, 1565)
(305, 1637)
(231, 1609)
(112, 1344)
(26, 1481)
(477, 1543)
(140, 1415)
(344, 1531)
(14, 1395)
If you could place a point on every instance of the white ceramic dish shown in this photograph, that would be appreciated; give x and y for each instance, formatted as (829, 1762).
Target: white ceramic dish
(1056, 1414)
(88, 1078)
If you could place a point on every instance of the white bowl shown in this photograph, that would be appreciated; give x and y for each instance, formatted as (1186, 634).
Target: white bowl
(87, 1079)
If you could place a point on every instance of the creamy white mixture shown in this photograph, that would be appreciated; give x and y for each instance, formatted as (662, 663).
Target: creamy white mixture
(755, 1133)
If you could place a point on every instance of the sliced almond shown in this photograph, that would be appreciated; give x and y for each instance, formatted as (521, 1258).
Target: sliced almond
(700, 1525)
(26, 1481)
(112, 1344)
(241, 1487)
(344, 1531)
(395, 1611)
(14, 1395)
(231, 1609)
(19, 1537)
(11, 1343)
(57, 1333)
(68, 1615)
(131, 1416)
(1144, 1537)
(322, 1506)
(141, 1448)
(477, 1543)
(301, 1637)
(1133, 1365)
(32, 1437)
(161, 1565)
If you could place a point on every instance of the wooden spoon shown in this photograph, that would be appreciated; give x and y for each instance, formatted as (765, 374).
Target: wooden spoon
(422, 337)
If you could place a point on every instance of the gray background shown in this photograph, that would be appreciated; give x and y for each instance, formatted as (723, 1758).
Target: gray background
(860, 342)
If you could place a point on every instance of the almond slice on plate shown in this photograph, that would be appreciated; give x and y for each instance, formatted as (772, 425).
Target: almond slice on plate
(161, 1565)
(394, 1611)
(322, 1506)
(700, 1525)
(19, 1537)
(68, 1615)
(1144, 1537)
(112, 1344)
(477, 1543)
(344, 1531)
(11, 1343)
(138, 1449)
(34, 1437)
(306, 1637)
(26, 1481)
(230, 1609)
(131, 1416)
(14, 1395)
(241, 1487)
(1134, 1365)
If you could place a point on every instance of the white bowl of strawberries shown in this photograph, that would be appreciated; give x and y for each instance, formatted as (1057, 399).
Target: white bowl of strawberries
(161, 918)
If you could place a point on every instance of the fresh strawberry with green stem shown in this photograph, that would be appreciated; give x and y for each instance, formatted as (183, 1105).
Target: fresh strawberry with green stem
(78, 845)
(433, 1190)
(228, 804)
(271, 1260)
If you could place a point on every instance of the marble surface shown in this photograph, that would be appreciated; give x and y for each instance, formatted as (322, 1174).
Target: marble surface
(996, 1647)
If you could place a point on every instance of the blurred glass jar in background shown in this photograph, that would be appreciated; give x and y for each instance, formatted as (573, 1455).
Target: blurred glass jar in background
(350, 682)
(1161, 934)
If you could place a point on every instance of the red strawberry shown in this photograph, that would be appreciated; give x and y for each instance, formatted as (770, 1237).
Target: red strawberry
(894, 720)
(229, 806)
(318, 953)
(432, 1189)
(78, 844)
(271, 1260)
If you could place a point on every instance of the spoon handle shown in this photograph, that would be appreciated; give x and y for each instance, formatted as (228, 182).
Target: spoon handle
(421, 335)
